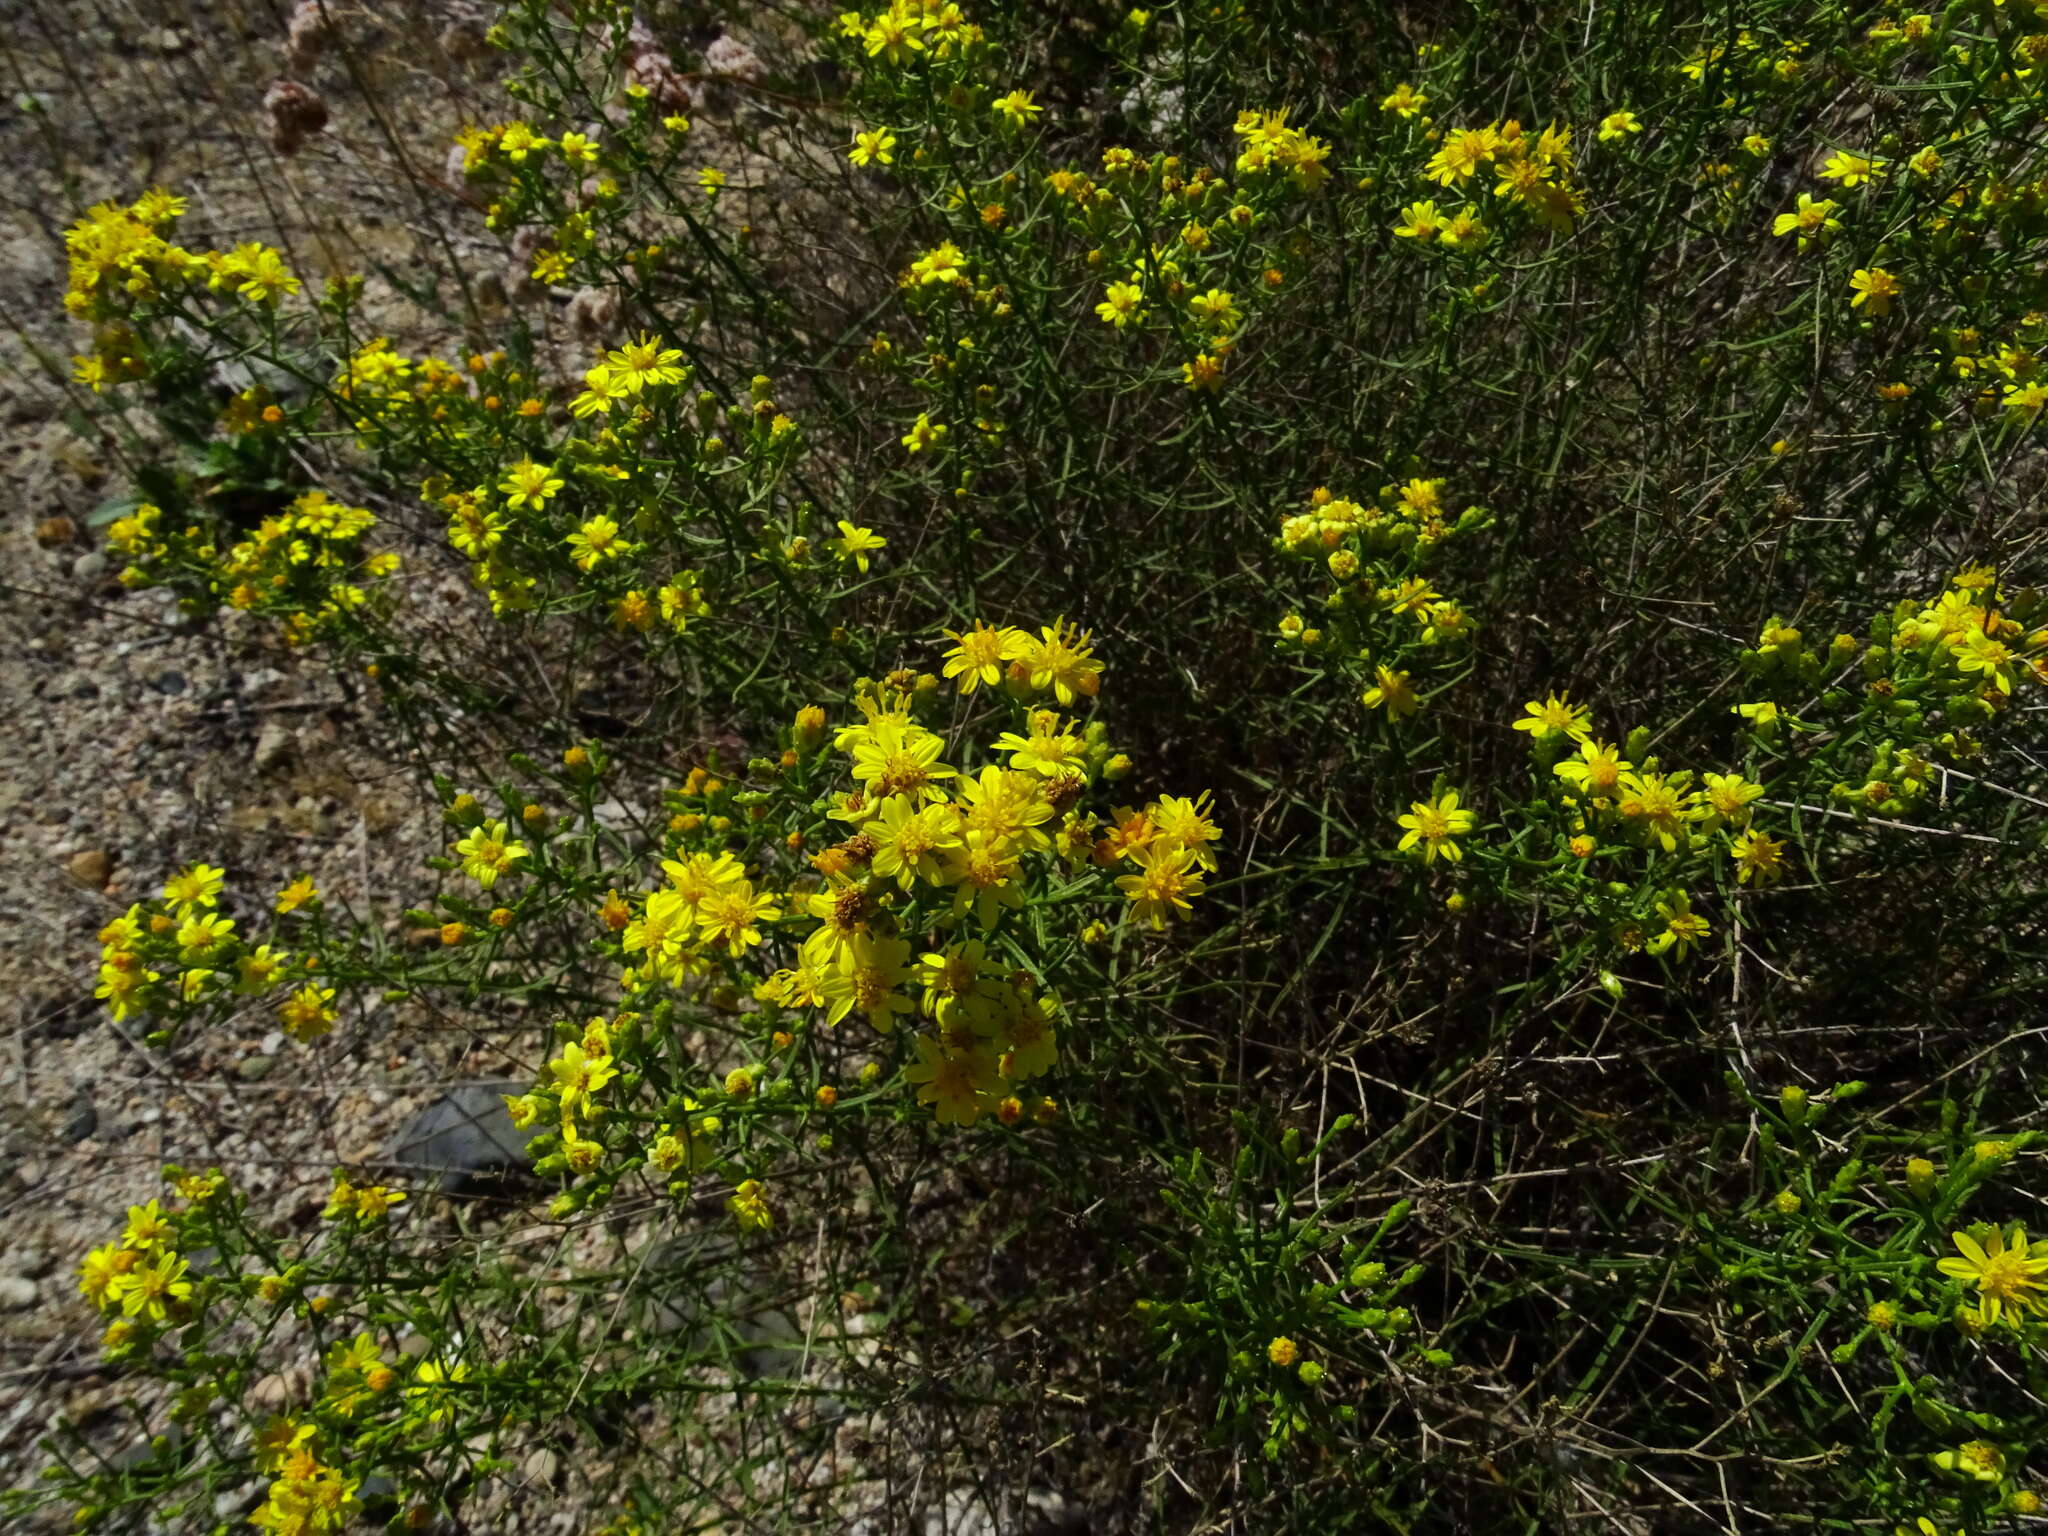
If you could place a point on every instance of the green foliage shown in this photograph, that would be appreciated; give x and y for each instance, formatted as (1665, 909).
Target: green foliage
(1654, 392)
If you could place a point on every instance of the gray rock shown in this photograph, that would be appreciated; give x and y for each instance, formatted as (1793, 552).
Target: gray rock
(17, 1293)
(273, 745)
(90, 566)
(697, 1286)
(82, 1119)
(467, 1137)
(253, 1069)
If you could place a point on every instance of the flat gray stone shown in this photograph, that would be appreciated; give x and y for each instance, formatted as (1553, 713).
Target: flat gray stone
(467, 1137)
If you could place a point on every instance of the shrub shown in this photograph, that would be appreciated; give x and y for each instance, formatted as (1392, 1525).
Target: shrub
(1338, 704)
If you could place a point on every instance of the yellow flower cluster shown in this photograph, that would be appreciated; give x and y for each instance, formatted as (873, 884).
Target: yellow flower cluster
(927, 846)
(1269, 145)
(119, 256)
(1963, 634)
(139, 1281)
(379, 381)
(909, 28)
(306, 1496)
(184, 936)
(1533, 174)
(1382, 605)
(306, 565)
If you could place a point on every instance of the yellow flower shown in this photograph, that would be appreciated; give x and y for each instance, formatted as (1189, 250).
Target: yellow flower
(298, 894)
(197, 886)
(959, 1085)
(874, 147)
(1204, 374)
(1728, 796)
(595, 541)
(1122, 303)
(147, 1228)
(923, 435)
(1168, 875)
(894, 36)
(730, 916)
(527, 484)
(308, 1013)
(1463, 151)
(488, 853)
(1404, 101)
(1556, 716)
(2004, 1268)
(1875, 288)
(980, 653)
(1420, 221)
(1656, 806)
(578, 1076)
(155, 1287)
(1683, 927)
(1596, 771)
(1757, 858)
(1851, 170)
(1813, 219)
(1393, 691)
(749, 1207)
(1433, 824)
(1017, 109)
(1062, 658)
(643, 363)
(1618, 125)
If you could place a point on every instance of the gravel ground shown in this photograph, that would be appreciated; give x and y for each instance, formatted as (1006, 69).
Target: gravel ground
(140, 742)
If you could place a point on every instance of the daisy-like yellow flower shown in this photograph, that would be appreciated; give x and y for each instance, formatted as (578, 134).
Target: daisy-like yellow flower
(2007, 1271)
(597, 540)
(1016, 109)
(924, 434)
(856, 544)
(1851, 170)
(1392, 691)
(1404, 101)
(1657, 806)
(1728, 796)
(749, 1207)
(194, 887)
(1434, 825)
(298, 894)
(960, 1085)
(527, 484)
(1813, 219)
(1463, 151)
(1758, 859)
(1618, 125)
(308, 1013)
(732, 914)
(876, 146)
(1875, 288)
(1683, 927)
(1420, 221)
(488, 852)
(1062, 658)
(980, 653)
(1556, 716)
(1596, 771)
(1168, 875)
(642, 363)
(1122, 303)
